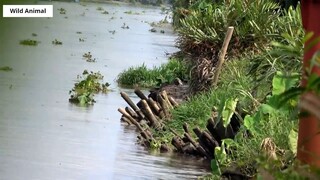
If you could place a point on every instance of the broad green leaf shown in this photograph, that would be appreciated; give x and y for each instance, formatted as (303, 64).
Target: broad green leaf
(228, 143)
(249, 123)
(228, 110)
(282, 82)
(215, 169)
(293, 138)
(82, 99)
(267, 109)
(220, 154)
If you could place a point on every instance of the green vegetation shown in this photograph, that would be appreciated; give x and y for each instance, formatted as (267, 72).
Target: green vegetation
(132, 13)
(5, 68)
(100, 9)
(62, 11)
(258, 83)
(105, 12)
(141, 76)
(56, 42)
(88, 57)
(88, 84)
(29, 42)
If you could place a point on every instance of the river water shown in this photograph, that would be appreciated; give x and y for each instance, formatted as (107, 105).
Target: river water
(42, 135)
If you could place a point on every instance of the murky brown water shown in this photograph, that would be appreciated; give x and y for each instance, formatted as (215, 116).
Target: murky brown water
(42, 136)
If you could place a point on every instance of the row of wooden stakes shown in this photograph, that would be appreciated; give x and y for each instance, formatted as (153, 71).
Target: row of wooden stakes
(151, 113)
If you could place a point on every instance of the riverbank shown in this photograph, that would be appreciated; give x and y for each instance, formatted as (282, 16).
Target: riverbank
(42, 135)
(263, 64)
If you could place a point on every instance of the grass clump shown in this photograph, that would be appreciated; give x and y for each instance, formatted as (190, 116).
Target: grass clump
(141, 76)
(88, 84)
(29, 42)
(5, 68)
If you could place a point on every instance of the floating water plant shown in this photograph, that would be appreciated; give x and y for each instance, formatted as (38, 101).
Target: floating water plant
(105, 12)
(131, 12)
(29, 42)
(153, 30)
(112, 32)
(124, 26)
(100, 8)
(5, 68)
(88, 57)
(56, 42)
(88, 84)
(62, 11)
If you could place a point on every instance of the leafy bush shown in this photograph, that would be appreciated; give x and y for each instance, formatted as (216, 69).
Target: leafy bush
(143, 77)
(205, 25)
(286, 51)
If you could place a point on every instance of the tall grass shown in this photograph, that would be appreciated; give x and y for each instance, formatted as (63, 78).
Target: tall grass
(141, 76)
(205, 25)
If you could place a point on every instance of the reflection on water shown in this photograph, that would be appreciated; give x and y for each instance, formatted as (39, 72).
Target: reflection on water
(42, 136)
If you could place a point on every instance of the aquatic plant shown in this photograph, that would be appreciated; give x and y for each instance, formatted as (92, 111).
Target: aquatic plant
(131, 12)
(29, 42)
(88, 84)
(125, 26)
(100, 8)
(62, 11)
(5, 68)
(88, 57)
(56, 42)
(153, 30)
(105, 12)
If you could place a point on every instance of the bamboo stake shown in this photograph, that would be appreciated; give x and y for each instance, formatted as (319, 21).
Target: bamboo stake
(140, 94)
(131, 104)
(164, 95)
(222, 54)
(124, 119)
(125, 114)
(199, 148)
(173, 101)
(131, 112)
(148, 113)
(155, 108)
(186, 127)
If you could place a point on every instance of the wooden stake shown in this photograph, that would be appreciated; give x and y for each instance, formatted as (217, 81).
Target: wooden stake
(173, 102)
(131, 104)
(140, 94)
(125, 114)
(222, 54)
(148, 113)
(155, 108)
(132, 113)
